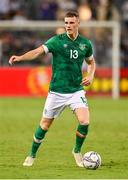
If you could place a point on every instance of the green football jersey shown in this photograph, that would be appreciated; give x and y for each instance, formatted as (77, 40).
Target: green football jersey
(68, 57)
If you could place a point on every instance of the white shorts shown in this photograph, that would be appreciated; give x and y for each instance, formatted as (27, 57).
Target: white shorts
(56, 102)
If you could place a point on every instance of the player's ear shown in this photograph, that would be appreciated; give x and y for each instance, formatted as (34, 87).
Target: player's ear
(79, 21)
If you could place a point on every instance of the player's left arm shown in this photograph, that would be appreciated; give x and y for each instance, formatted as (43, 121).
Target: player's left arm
(90, 72)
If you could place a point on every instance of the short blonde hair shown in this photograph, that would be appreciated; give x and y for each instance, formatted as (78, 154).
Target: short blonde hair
(72, 14)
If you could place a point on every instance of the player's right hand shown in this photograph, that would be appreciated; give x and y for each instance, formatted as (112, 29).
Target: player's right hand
(14, 59)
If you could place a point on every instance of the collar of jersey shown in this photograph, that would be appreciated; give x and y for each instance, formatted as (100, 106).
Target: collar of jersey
(73, 39)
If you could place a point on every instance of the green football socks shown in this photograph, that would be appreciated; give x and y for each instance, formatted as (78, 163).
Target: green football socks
(81, 133)
(38, 137)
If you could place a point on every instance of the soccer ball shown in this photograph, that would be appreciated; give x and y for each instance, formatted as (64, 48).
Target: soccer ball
(91, 160)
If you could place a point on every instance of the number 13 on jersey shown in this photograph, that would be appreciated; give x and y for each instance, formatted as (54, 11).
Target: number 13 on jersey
(73, 54)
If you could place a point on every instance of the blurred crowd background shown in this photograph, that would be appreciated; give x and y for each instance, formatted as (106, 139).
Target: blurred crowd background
(16, 42)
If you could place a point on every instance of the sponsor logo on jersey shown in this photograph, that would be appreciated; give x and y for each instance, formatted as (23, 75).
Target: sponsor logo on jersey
(82, 46)
(65, 45)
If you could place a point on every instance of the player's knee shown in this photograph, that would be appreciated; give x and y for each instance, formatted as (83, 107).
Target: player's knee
(84, 121)
(45, 123)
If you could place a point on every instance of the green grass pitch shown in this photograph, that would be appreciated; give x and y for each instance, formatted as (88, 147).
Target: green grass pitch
(108, 135)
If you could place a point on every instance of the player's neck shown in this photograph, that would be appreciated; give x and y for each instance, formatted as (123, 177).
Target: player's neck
(72, 36)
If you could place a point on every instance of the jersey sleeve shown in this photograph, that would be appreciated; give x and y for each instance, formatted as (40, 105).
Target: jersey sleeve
(89, 53)
(51, 44)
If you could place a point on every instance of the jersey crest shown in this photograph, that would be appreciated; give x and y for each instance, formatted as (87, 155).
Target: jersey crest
(82, 46)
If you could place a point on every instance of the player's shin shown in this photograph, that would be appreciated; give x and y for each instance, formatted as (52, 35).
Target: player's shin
(81, 133)
(37, 140)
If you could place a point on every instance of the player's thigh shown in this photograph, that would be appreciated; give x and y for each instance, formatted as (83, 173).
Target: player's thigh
(54, 105)
(79, 105)
(82, 115)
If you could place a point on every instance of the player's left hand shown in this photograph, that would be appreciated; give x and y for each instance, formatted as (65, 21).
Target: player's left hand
(86, 81)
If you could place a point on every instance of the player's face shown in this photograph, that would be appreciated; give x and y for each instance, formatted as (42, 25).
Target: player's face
(71, 25)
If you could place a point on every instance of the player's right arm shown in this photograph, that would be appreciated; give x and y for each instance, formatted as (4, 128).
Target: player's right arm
(30, 55)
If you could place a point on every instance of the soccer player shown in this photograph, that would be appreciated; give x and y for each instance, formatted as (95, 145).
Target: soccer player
(69, 50)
